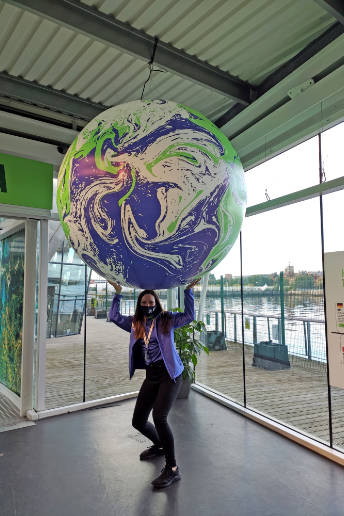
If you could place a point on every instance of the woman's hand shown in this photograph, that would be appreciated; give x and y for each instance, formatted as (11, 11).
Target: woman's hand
(116, 286)
(193, 283)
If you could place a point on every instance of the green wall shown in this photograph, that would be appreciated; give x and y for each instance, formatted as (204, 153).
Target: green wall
(24, 182)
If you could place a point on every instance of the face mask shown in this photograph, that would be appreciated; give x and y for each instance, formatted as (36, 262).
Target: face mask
(147, 310)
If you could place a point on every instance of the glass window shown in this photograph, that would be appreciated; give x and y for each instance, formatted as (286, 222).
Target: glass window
(65, 324)
(107, 365)
(289, 172)
(334, 242)
(221, 370)
(285, 345)
(332, 152)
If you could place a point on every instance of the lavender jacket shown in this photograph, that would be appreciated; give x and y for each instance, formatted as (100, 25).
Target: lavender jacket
(168, 349)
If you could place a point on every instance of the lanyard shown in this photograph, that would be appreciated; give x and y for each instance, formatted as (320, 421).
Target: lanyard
(147, 337)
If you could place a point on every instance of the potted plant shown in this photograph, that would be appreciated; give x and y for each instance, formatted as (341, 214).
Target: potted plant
(189, 348)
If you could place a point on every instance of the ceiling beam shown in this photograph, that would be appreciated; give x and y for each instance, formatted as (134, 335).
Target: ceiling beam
(229, 115)
(309, 51)
(313, 48)
(110, 31)
(27, 91)
(316, 78)
(334, 7)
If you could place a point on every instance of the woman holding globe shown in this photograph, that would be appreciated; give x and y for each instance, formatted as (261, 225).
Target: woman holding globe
(152, 348)
(151, 194)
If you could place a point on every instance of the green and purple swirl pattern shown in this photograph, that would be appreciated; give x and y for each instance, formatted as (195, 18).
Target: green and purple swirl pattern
(151, 194)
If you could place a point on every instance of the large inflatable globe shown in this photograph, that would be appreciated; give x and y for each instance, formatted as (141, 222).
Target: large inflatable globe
(151, 194)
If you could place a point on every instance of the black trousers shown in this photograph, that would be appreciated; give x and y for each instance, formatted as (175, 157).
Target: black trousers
(157, 392)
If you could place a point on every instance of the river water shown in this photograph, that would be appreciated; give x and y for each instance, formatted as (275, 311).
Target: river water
(298, 305)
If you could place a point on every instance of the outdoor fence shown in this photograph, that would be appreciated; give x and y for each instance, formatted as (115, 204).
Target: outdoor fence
(291, 317)
(304, 337)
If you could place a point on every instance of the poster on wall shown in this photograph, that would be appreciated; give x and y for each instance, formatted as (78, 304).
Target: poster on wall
(25, 182)
(11, 309)
(334, 291)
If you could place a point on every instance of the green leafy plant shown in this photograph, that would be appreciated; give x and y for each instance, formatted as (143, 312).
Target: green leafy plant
(189, 346)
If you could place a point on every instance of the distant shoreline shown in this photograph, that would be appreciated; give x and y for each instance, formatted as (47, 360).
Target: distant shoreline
(236, 293)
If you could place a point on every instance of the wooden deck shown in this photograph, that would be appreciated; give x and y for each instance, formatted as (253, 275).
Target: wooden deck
(107, 371)
(296, 397)
(9, 416)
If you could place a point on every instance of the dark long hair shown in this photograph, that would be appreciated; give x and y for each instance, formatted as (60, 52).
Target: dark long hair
(139, 318)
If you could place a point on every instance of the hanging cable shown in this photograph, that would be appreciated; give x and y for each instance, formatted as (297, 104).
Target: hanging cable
(150, 64)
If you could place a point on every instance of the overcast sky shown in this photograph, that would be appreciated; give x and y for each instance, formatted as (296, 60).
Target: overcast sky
(291, 235)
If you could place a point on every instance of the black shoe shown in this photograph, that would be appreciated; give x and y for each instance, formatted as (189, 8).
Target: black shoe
(151, 452)
(167, 477)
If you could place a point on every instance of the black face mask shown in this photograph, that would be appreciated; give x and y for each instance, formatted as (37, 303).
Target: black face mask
(147, 310)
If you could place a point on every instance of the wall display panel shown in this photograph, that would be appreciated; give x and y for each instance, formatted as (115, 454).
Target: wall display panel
(12, 251)
(286, 367)
(222, 370)
(289, 172)
(334, 245)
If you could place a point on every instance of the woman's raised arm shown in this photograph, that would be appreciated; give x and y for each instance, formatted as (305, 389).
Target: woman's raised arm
(180, 319)
(123, 321)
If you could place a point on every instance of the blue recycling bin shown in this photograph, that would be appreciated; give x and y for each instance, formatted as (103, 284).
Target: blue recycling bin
(270, 355)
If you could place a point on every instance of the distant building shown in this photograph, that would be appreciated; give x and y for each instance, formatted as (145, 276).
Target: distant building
(228, 276)
(289, 271)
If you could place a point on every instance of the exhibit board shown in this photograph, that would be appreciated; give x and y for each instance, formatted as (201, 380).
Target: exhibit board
(334, 292)
(25, 182)
(12, 251)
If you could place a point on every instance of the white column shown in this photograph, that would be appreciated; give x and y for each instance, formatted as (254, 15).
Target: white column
(169, 298)
(42, 317)
(28, 316)
(204, 287)
(172, 298)
(175, 298)
(181, 296)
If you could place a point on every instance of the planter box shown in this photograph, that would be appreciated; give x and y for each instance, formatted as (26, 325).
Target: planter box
(184, 389)
(215, 341)
(101, 314)
(271, 356)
